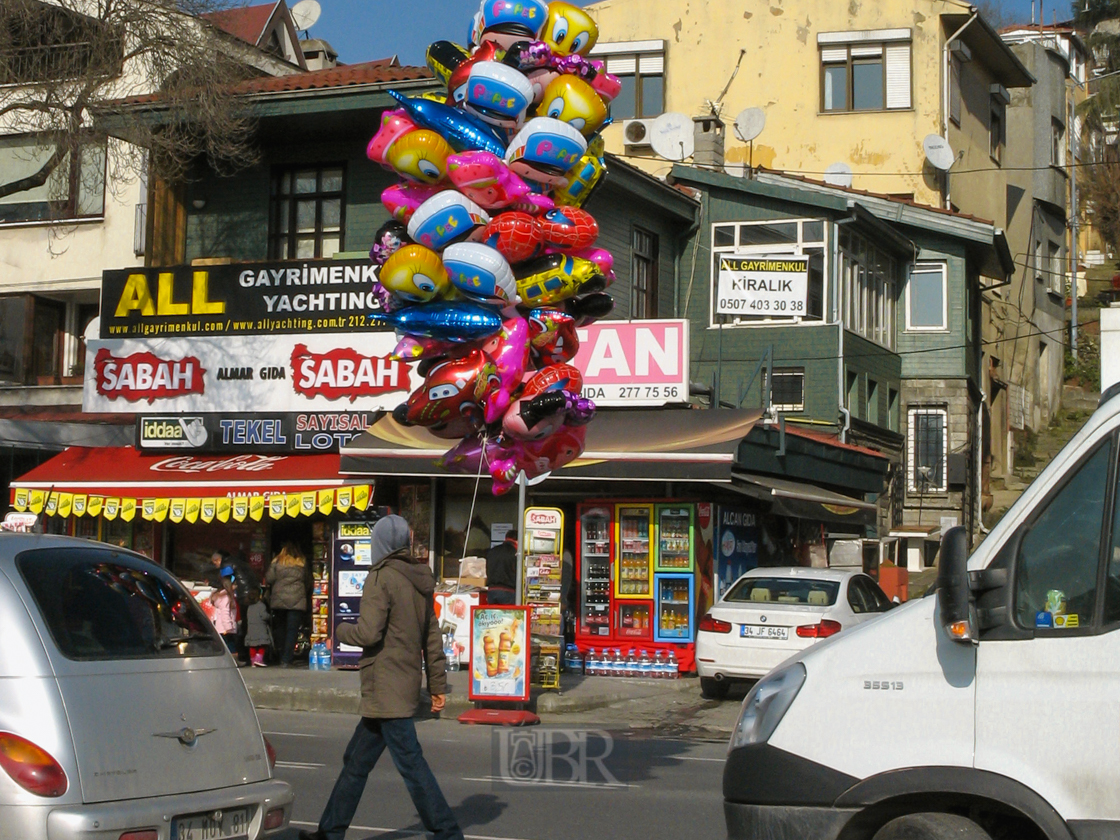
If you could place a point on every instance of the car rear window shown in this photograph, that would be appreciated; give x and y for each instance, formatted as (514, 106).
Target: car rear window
(779, 590)
(100, 604)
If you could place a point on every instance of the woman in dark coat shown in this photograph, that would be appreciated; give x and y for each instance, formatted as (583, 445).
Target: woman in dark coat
(288, 580)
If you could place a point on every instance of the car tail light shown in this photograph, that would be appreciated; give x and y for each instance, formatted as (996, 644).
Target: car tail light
(273, 819)
(819, 631)
(271, 752)
(147, 834)
(714, 625)
(31, 767)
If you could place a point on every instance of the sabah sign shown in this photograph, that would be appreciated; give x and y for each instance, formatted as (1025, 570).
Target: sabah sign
(634, 363)
(246, 375)
(309, 431)
(241, 299)
(768, 286)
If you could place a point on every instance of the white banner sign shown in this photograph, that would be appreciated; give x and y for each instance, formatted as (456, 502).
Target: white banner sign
(634, 363)
(771, 286)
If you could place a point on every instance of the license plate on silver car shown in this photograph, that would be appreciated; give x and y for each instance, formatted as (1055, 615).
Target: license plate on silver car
(229, 824)
(763, 631)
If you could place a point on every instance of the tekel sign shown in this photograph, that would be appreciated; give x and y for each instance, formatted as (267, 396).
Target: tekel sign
(246, 375)
(634, 363)
(309, 431)
(767, 286)
(241, 299)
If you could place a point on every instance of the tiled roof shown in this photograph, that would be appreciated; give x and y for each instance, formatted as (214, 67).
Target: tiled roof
(345, 75)
(830, 440)
(246, 23)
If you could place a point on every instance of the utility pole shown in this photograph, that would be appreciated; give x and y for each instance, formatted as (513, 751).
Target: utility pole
(1073, 149)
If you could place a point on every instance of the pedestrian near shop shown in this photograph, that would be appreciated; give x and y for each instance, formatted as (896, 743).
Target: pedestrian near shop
(258, 633)
(397, 630)
(225, 609)
(501, 571)
(288, 581)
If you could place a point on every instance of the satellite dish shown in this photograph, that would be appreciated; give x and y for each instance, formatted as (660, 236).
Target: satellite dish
(749, 124)
(305, 13)
(671, 136)
(938, 152)
(838, 174)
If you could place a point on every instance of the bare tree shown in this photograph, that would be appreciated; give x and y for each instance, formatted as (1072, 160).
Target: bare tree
(994, 12)
(71, 71)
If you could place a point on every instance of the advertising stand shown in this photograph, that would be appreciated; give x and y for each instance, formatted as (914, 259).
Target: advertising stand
(543, 564)
(352, 560)
(499, 660)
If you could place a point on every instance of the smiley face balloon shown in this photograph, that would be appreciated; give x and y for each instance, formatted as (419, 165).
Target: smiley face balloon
(420, 156)
(569, 29)
(572, 100)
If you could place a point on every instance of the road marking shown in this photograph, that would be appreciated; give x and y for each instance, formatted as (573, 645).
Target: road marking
(511, 783)
(698, 758)
(299, 765)
(292, 734)
(377, 830)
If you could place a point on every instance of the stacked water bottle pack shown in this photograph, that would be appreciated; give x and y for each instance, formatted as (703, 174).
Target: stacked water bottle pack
(319, 658)
(612, 662)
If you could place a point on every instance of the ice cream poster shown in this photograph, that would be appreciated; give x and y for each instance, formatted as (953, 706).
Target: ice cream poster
(499, 653)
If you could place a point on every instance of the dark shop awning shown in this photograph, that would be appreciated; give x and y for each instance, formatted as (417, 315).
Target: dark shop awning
(641, 445)
(804, 501)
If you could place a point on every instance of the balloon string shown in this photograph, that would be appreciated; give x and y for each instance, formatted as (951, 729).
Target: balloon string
(470, 518)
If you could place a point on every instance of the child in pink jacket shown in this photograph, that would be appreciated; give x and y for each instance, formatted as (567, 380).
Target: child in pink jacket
(225, 611)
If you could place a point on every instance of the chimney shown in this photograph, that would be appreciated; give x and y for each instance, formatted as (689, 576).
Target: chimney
(707, 134)
(319, 54)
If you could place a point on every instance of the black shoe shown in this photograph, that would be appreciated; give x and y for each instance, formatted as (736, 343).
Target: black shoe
(312, 835)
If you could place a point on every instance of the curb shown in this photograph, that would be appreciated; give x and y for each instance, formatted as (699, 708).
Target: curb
(339, 701)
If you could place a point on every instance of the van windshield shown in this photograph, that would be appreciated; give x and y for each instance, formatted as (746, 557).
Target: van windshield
(775, 590)
(100, 604)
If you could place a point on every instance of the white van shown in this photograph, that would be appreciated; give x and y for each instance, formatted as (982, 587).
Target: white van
(989, 710)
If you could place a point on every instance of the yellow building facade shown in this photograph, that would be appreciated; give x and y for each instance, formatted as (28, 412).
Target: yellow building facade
(853, 84)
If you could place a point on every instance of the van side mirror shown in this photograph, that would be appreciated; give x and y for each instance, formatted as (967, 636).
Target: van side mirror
(953, 595)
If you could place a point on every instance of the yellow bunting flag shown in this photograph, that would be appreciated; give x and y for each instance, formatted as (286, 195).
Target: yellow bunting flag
(326, 502)
(50, 507)
(224, 507)
(193, 507)
(207, 509)
(240, 508)
(65, 501)
(128, 509)
(162, 507)
(276, 505)
(20, 501)
(78, 507)
(256, 508)
(95, 505)
(35, 501)
(307, 503)
(343, 498)
(177, 510)
(148, 509)
(292, 503)
(361, 496)
(112, 508)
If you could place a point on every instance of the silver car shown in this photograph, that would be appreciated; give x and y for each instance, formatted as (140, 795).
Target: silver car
(122, 715)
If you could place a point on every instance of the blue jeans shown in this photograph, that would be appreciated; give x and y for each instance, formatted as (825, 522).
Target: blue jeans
(288, 623)
(370, 738)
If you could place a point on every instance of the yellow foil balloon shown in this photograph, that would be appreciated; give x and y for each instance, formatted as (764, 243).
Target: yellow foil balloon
(569, 29)
(414, 274)
(572, 100)
(420, 156)
(556, 277)
(583, 177)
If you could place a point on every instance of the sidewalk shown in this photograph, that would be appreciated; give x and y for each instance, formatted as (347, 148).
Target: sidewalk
(298, 689)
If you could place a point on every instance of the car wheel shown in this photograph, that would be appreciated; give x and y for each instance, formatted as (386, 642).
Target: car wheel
(714, 689)
(931, 827)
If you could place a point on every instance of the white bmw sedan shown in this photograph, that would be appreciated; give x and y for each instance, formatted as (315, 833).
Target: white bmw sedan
(769, 614)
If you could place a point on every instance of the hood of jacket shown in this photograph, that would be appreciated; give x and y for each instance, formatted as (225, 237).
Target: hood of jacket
(418, 574)
(390, 534)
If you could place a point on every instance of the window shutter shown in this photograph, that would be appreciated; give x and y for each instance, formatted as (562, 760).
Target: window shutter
(834, 54)
(898, 76)
(626, 66)
(652, 65)
(871, 51)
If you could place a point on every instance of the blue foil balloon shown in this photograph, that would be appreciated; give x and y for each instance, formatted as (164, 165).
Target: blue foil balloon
(464, 132)
(455, 321)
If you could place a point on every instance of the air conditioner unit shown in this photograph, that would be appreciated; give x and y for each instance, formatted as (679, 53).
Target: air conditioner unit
(637, 132)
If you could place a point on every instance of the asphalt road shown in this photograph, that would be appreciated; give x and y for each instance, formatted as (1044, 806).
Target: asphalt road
(642, 785)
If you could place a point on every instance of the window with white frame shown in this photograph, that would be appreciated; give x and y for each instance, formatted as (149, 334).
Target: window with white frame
(868, 288)
(640, 67)
(927, 448)
(865, 70)
(787, 389)
(802, 237)
(927, 297)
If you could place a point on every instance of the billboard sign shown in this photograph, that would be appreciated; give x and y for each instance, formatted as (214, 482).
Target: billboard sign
(305, 431)
(627, 364)
(767, 286)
